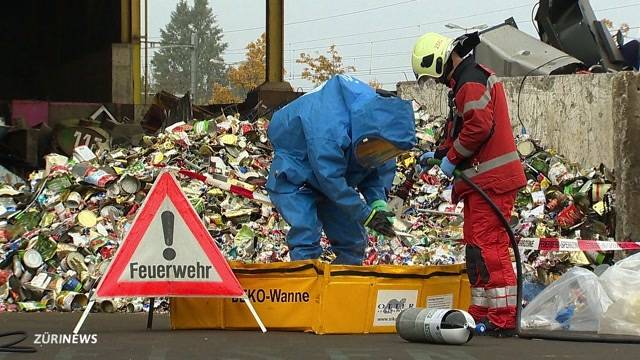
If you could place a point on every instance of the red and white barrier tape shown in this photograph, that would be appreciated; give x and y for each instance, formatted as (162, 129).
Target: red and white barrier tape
(223, 185)
(556, 244)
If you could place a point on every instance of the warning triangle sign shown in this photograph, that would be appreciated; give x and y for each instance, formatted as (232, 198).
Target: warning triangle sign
(168, 252)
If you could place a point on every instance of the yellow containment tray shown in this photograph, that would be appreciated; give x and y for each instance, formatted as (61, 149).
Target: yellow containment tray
(326, 299)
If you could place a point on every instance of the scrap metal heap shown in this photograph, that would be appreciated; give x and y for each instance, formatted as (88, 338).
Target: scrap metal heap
(60, 227)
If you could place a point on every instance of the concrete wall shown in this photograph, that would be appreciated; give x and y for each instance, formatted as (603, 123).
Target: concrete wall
(121, 81)
(590, 119)
(571, 113)
(626, 136)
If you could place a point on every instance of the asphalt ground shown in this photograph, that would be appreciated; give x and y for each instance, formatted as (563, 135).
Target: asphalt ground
(124, 336)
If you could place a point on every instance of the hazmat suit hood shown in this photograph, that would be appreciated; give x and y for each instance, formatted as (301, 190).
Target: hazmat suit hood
(381, 128)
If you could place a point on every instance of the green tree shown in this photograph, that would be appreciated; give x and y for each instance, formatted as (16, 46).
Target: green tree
(172, 63)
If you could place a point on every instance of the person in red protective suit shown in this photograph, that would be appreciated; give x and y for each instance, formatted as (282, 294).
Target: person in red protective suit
(479, 142)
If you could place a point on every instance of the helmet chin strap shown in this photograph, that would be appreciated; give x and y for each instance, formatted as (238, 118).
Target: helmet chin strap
(448, 66)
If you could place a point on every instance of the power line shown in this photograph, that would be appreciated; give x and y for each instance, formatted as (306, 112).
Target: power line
(343, 45)
(416, 25)
(230, 51)
(353, 57)
(618, 7)
(326, 17)
(366, 72)
(356, 43)
(241, 51)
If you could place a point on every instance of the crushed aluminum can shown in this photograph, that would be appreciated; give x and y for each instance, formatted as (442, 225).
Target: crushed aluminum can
(87, 218)
(107, 252)
(45, 246)
(598, 191)
(41, 280)
(95, 176)
(569, 216)
(18, 269)
(538, 198)
(526, 148)
(110, 211)
(71, 301)
(83, 153)
(113, 190)
(108, 305)
(558, 173)
(59, 183)
(135, 306)
(201, 127)
(74, 200)
(129, 184)
(28, 306)
(72, 284)
(27, 275)
(32, 259)
(72, 258)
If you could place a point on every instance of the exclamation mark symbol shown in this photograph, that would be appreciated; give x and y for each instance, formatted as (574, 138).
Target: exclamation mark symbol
(167, 229)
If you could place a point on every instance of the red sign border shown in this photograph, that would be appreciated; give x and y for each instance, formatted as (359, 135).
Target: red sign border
(110, 286)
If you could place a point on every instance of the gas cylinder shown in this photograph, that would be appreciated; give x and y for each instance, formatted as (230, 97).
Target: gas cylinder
(437, 326)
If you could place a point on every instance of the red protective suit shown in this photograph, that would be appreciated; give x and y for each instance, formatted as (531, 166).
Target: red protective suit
(479, 141)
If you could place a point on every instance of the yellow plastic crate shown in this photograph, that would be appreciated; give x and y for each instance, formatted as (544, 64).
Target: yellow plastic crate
(325, 299)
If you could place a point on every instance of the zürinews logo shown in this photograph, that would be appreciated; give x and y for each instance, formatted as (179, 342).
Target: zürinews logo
(64, 339)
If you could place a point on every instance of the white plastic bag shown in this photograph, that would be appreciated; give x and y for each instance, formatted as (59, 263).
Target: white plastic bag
(622, 317)
(575, 302)
(622, 284)
(622, 278)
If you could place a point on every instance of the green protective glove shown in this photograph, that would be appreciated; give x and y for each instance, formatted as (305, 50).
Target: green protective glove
(379, 222)
(381, 205)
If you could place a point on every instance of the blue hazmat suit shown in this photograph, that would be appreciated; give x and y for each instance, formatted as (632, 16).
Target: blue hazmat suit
(316, 182)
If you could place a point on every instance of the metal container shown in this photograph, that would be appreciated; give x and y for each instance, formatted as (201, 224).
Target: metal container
(18, 269)
(27, 276)
(598, 191)
(110, 211)
(49, 302)
(108, 306)
(569, 216)
(74, 200)
(437, 326)
(72, 258)
(46, 247)
(526, 148)
(87, 218)
(98, 177)
(32, 259)
(70, 301)
(129, 184)
(134, 307)
(72, 284)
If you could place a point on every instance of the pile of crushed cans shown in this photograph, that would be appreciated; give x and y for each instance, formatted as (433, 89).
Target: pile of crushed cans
(60, 227)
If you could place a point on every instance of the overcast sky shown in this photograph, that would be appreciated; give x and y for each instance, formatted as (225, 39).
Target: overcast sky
(374, 36)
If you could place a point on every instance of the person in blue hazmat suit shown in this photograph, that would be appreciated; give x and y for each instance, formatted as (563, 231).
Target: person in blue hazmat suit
(335, 150)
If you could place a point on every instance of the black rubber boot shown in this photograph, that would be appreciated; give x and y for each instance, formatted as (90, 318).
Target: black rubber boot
(491, 330)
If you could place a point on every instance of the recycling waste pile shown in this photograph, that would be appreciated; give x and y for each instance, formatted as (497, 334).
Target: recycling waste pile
(60, 227)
